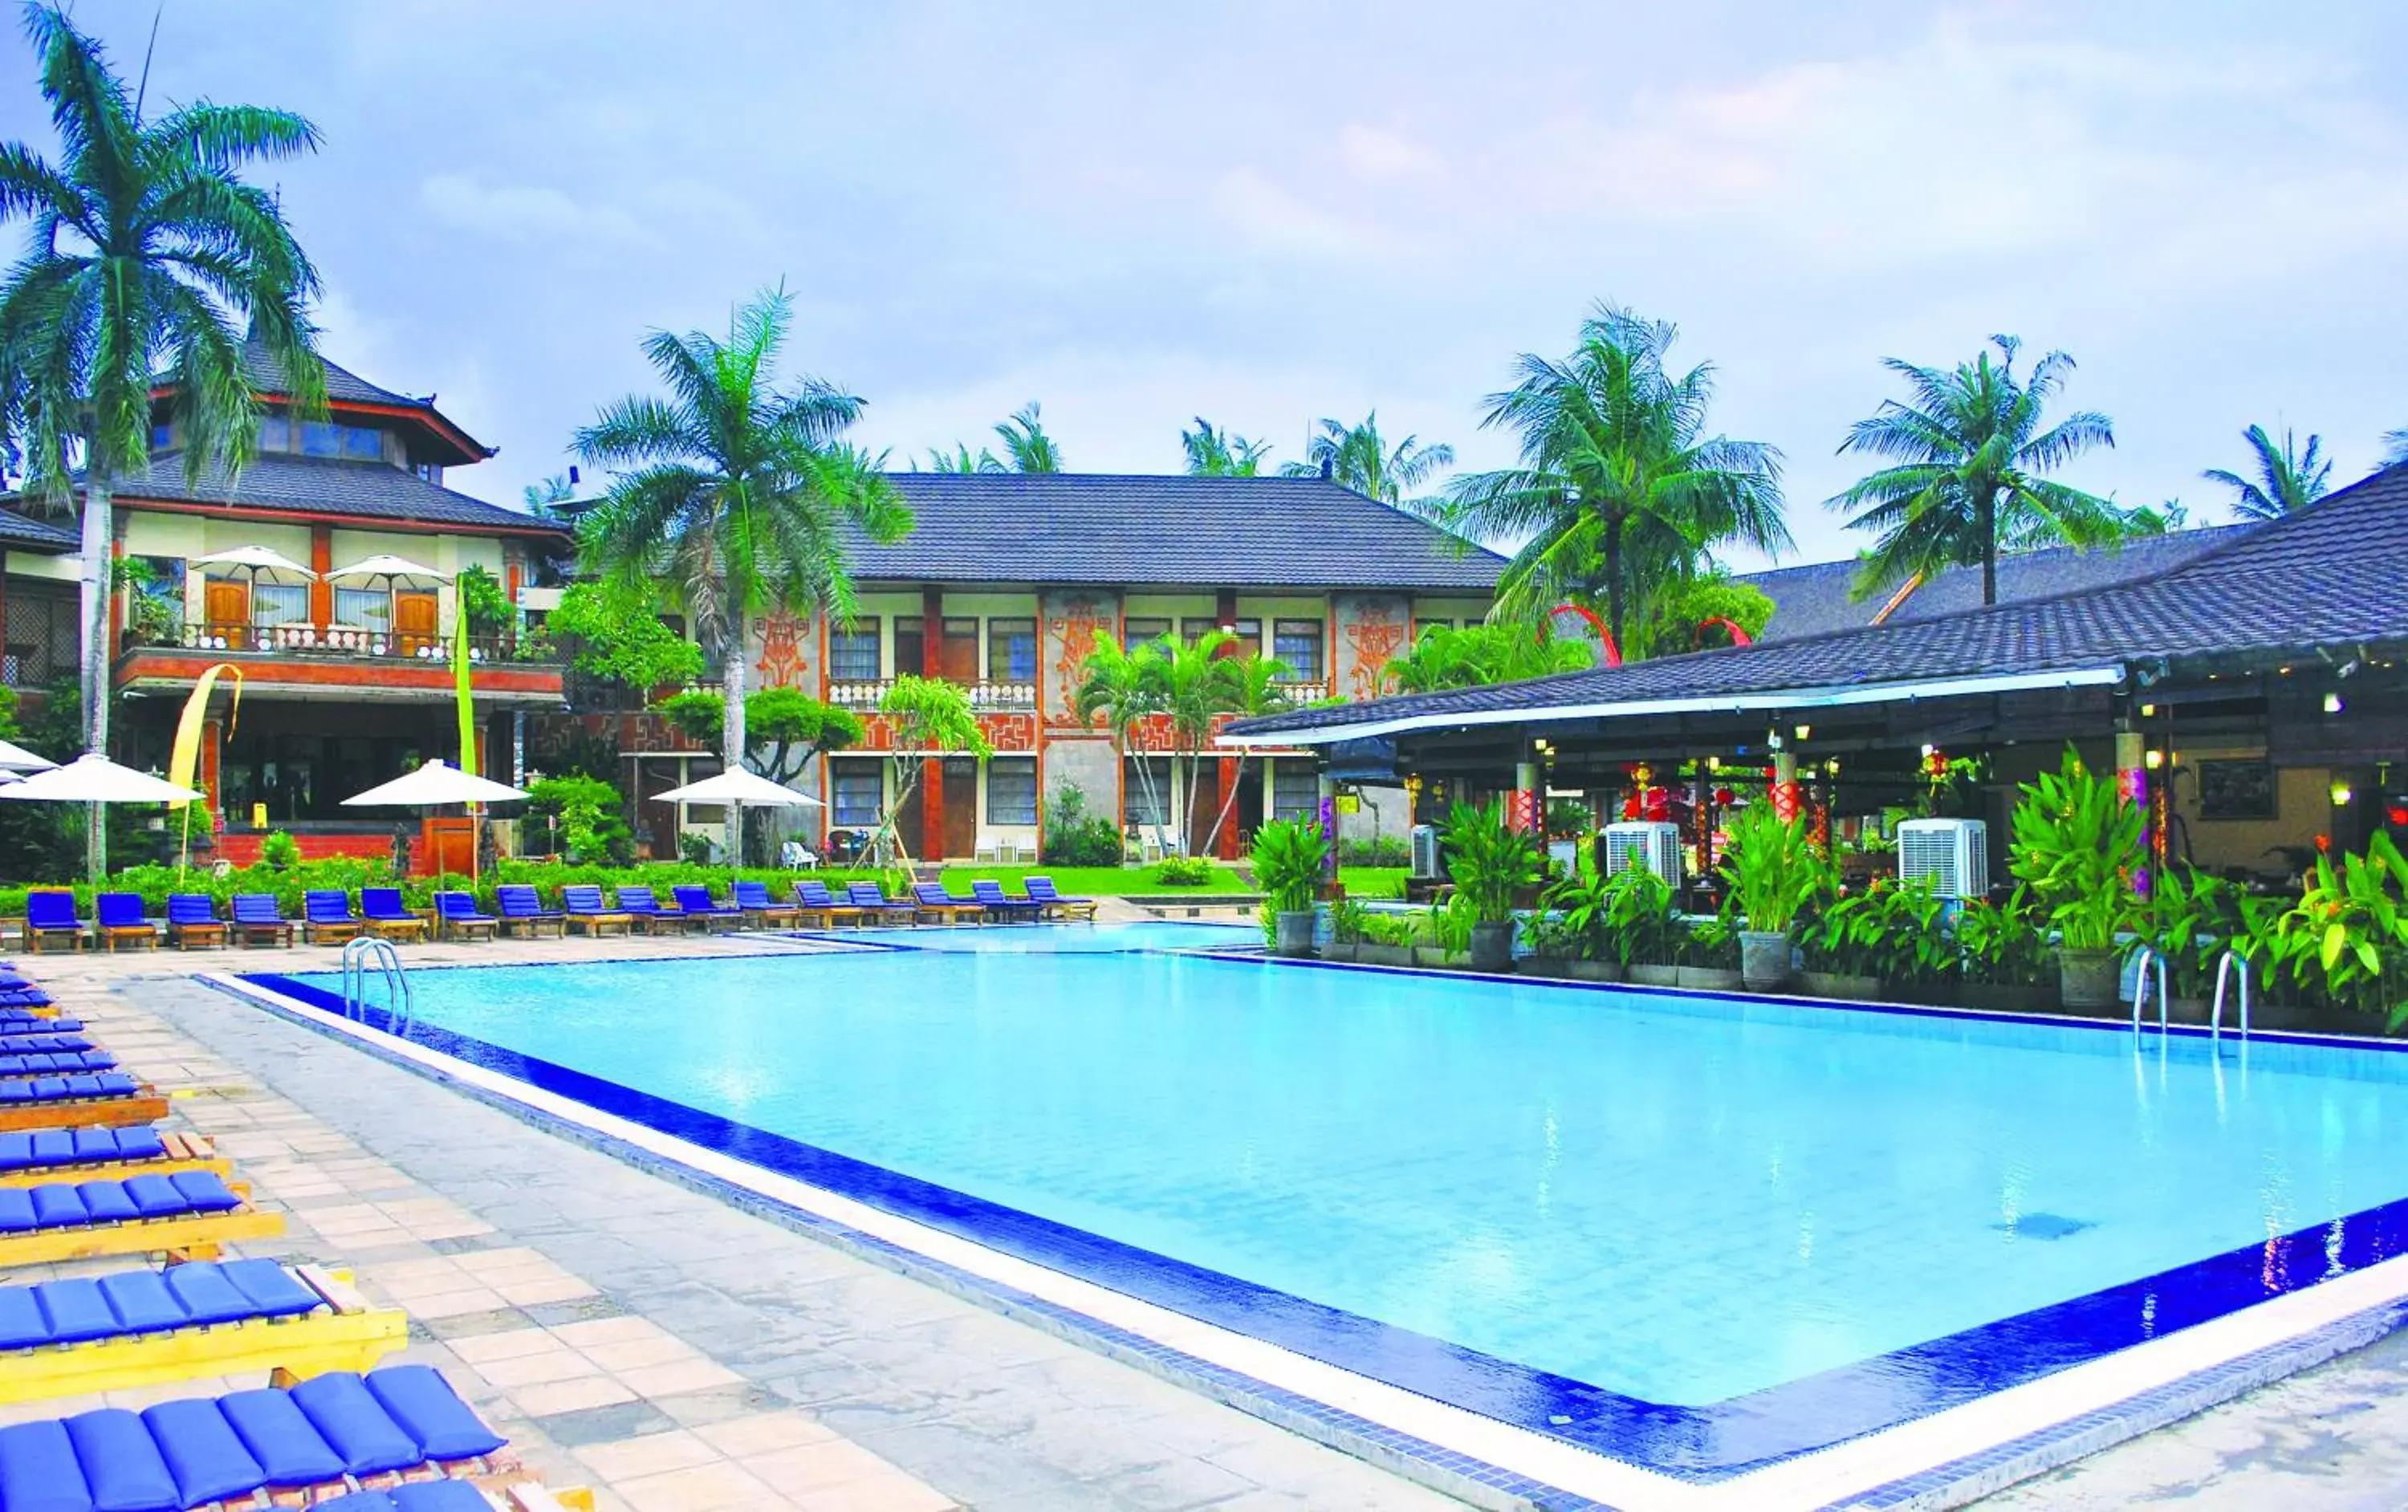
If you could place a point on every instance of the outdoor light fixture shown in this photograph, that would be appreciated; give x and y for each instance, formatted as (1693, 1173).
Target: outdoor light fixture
(2341, 794)
(1804, 731)
(1927, 751)
(2148, 711)
(2153, 759)
(1832, 767)
(2333, 703)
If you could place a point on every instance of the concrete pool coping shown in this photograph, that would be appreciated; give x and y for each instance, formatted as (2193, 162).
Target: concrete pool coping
(1941, 1460)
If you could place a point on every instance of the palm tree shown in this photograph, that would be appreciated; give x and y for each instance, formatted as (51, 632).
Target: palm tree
(735, 490)
(149, 254)
(1025, 445)
(1123, 687)
(2286, 479)
(1358, 457)
(1478, 655)
(1195, 682)
(544, 499)
(1256, 686)
(1213, 452)
(2396, 446)
(1967, 480)
(1620, 491)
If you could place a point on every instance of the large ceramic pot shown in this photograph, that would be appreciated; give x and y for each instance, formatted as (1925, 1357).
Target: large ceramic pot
(1597, 970)
(1492, 947)
(2087, 979)
(1835, 985)
(1292, 932)
(1764, 959)
(1639, 974)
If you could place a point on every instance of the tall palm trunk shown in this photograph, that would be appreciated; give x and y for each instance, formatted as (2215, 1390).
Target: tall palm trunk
(731, 689)
(1988, 526)
(98, 538)
(1154, 804)
(1614, 590)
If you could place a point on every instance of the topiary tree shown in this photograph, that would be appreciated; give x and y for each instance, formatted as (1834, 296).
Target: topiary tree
(924, 715)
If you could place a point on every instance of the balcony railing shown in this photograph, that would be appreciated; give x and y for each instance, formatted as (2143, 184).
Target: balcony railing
(986, 697)
(351, 643)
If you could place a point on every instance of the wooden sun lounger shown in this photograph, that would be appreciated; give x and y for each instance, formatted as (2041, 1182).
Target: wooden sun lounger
(146, 1105)
(343, 1332)
(178, 1236)
(183, 1152)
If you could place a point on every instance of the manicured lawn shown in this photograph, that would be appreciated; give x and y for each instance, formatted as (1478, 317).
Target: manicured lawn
(1091, 881)
(1372, 883)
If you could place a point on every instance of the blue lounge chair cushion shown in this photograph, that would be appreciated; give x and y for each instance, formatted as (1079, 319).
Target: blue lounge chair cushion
(121, 1462)
(426, 1407)
(203, 1452)
(19, 999)
(414, 1496)
(290, 1450)
(16, 1215)
(75, 1311)
(382, 903)
(105, 1202)
(16, 1041)
(26, 1150)
(56, 1064)
(38, 1472)
(141, 1302)
(59, 1089)
(273, 1290)
(58, 1206)
(22, 1324)
(348, 1417)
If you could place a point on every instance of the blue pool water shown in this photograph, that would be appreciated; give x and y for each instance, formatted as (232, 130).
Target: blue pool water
(1676, 1201)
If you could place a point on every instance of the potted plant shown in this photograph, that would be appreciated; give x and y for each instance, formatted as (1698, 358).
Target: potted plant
(1838, 963)
(1710, 956)
(1346, 919)
(1554, 946)
(1443, 937)
(1645, 933)
(2346, 939)
(2004, 957)
(1489, 860)
(1387, 940)
(1289, 857)
(2078, 847)
(1774, 876)
(1584, 902)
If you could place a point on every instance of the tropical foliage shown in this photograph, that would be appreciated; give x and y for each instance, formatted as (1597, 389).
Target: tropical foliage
(1620, 493)
(1360, 457)
(2288, 479)
(618, 635)
(1698, 615)
(1027, 448)
(148, 255)
(1774, 872)
(1190, 686)
(1213, 452)
(2077, 845)
(1477, 655)
(735, 492)
(1289, 860)
(922, 714)
(1968, 455)
(786, 726)
(2349, 934)
(1073, 836)
(1489, 860)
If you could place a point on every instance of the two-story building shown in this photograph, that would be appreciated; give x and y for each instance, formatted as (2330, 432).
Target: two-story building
(346, 677)
(1003, 585)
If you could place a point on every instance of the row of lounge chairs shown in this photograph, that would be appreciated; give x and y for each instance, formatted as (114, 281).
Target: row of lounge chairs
(328, 917)
(331, 1429)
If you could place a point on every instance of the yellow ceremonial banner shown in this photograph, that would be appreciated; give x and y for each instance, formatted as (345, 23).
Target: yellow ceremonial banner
(184, 759)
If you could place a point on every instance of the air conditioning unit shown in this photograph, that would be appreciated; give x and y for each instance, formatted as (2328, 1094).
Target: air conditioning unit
(1426, 862)
(1954, 854)
(1644, 845)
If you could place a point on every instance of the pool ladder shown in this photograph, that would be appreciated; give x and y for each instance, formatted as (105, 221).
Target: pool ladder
(367, 953)
(2226, 973)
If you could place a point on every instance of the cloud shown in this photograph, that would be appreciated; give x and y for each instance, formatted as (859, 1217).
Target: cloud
(526, 213)
(1374, 153)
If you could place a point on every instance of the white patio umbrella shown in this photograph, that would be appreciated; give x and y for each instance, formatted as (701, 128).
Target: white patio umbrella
(397, 572)
(432, 786)
(18, 759)
(739, 787)
(257, 561)
(93, 778)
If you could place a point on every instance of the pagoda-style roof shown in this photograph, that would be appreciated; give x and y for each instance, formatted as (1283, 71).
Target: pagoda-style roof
(436, 437)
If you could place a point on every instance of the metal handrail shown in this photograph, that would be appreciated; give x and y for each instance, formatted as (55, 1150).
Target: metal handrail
(2149, 956)
(359, 952)
(2216, 1014)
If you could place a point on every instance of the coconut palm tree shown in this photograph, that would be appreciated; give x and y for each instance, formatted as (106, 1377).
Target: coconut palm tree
(1970, 454)
(1195, 688)
(2286, 480)
(1620, 490)
(1121, 686)
(1026, 446)
(1255, 686)
(1213, 452)
(2395, 444)
(735, 490)
(150, 254)
(1358, 457)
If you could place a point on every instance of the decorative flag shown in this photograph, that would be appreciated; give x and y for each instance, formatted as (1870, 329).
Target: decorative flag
(184, 757)
(460, 684)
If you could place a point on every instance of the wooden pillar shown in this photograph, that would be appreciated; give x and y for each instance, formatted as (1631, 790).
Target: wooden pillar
(321, 562)
(932, 769)
(212, 733)
(1227, 849)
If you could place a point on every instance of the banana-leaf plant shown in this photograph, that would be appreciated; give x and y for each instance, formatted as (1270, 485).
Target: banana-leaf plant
(2078, 847)
(2349, 934)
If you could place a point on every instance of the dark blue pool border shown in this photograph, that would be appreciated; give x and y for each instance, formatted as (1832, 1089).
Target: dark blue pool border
(1695, 1444)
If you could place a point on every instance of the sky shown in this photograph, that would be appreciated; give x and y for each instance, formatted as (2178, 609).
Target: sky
(1266, 213)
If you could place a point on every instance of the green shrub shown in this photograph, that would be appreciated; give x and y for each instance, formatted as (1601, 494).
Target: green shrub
(1346, 921)
(1380, 851)
(1772, 869)
(1489, 860)
(1289, 857)
(1075, 837)
(1389, 928)
(2078, 845)
(1184, 870)
(580, 818)
(279, 851)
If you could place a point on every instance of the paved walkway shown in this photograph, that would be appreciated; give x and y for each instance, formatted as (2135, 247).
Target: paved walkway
(633, 1334)
(677, 1353)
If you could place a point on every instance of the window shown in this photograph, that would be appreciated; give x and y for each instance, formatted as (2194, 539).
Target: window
(275, 434)
(1194, 628)
(1138, 632)
(1011, 789)
(362, 443)
(1250, 637)
(320, 438)
(165, 584)
(859, 789)
(1141, 809)
(279, 604)
(1296, 790)
(910, 646)
(367, 609)
(852, 651)
(431, 472)
(162, 435)
(39, 642)
(1011, 656)
(1297, 643)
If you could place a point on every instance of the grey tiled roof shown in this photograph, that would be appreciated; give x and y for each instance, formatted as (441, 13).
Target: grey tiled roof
(1113, 530)
(320, 485)
(267, 376)
(23, 533)
(1813, 599)
(2328, 576)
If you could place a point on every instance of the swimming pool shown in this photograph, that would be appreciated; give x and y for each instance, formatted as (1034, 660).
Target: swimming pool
(1693, 1234)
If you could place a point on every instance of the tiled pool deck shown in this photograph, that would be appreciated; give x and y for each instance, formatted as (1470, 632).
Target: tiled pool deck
(645, 1338)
